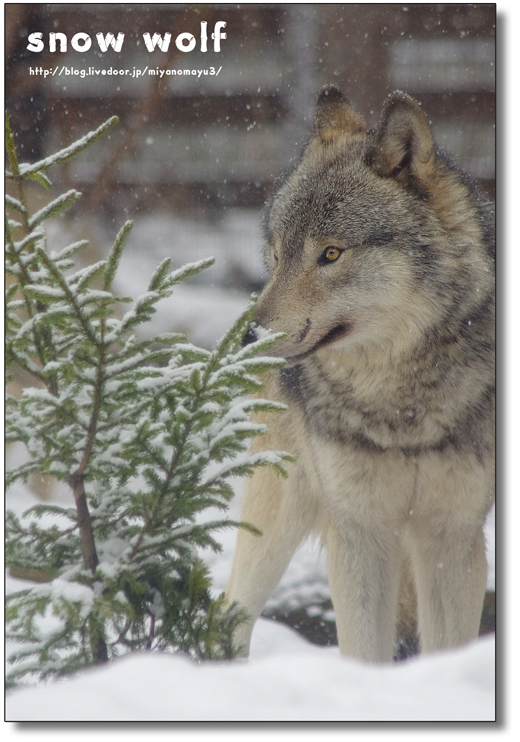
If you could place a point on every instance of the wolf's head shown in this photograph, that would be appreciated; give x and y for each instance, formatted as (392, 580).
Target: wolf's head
(360, 236)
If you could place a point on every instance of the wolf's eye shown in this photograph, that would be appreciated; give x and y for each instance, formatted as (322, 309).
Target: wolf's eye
(329, 255)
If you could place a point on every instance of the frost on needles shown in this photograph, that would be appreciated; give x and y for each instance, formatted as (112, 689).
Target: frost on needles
(146, 434)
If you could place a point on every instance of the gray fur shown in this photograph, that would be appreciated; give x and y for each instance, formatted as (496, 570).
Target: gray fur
(381, 259)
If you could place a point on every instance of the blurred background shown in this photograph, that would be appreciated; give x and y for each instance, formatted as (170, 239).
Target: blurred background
(193, 159)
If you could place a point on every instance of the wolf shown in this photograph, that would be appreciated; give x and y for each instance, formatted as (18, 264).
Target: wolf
(381, 260)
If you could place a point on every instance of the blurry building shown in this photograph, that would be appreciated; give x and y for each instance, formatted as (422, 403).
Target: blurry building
(189, 142)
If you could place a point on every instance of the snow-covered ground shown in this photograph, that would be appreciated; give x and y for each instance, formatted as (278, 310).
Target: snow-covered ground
(286, 678)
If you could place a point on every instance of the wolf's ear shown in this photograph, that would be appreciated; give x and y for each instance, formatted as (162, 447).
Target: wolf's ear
(335, 116)
(403, 147)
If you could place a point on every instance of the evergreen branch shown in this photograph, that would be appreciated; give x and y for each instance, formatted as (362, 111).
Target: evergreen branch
(134, 427)
(40, 178)
(115, 255)
(26, 363)
(68, 295)
(29, 240)
(65, 201)
(14, 203)
(16, 175)
(15, 256)
(69, 251)
(187, 271)
(176, 457)
(232, 339)
(65, 154)
(83, 278)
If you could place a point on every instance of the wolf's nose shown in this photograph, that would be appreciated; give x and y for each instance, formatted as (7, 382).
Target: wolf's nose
(249, 337)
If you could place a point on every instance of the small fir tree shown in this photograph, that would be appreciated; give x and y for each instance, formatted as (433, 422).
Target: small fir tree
(146, 433)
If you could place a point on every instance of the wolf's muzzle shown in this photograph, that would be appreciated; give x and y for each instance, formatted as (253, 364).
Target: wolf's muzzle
(249, 337)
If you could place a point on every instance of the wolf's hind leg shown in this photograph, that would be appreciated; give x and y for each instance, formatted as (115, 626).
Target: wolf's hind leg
(281, 510)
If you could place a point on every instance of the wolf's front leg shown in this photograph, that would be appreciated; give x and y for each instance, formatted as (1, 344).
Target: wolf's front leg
(280, 509)
(364, 569)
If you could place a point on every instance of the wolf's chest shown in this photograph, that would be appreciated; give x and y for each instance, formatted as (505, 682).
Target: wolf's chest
(375, 419)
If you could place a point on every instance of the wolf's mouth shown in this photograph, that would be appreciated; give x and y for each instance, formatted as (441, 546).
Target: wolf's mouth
(338, 332)
(335, 334)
